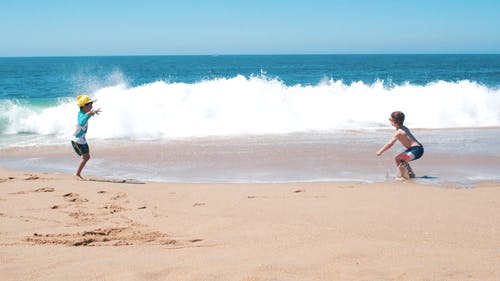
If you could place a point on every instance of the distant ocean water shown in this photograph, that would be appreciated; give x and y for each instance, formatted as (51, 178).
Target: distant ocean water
(168, 97)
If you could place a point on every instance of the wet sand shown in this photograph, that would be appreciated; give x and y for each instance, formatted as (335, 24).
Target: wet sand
(461, 157)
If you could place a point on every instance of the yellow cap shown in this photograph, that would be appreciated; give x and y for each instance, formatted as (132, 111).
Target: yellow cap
(83, 100)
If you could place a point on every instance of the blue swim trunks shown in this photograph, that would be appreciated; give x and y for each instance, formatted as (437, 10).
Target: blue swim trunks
(80, 149)
(412, 153)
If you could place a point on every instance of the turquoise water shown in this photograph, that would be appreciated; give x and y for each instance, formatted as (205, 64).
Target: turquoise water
(55, 77)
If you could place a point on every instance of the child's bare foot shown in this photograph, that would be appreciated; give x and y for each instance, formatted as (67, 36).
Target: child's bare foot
(79, 177)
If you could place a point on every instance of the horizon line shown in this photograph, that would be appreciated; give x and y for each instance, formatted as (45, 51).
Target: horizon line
(243, 54)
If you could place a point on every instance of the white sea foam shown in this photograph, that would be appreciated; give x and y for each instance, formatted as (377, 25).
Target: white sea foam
(258, 105)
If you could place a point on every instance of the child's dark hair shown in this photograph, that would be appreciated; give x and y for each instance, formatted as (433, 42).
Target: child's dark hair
(398, 117)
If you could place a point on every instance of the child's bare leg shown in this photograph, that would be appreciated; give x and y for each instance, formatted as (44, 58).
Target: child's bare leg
(86, 158)
(410, 171)
(403, 171)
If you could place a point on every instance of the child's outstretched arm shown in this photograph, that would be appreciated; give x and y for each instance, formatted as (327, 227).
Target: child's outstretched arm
(387, 145)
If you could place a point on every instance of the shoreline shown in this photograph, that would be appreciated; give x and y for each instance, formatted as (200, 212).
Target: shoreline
(54, 227)
(456, 157)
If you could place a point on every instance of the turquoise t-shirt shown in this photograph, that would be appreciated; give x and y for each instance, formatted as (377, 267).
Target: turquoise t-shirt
(81, 128)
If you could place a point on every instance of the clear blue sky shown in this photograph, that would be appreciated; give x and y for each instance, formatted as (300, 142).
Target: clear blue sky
(177, 27)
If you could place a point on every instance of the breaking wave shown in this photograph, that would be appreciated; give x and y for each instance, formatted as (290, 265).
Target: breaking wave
(257, 105)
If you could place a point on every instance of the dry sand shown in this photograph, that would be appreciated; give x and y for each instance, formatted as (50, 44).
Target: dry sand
(54, 227)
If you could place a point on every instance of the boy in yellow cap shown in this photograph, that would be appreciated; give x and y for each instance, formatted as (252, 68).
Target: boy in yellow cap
(78, 141)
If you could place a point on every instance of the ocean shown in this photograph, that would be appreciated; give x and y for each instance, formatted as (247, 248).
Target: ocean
(254, 118)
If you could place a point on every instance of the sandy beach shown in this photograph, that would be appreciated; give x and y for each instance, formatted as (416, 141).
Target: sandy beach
(54, 227)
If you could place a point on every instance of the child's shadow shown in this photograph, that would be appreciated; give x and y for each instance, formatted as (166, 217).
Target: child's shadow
(427, 177)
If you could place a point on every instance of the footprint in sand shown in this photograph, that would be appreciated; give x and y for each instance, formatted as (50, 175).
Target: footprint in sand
(117, 236)
(82, 216)
(120, 195)
(44, 189)
(113, 208)
(31, 177)
(74, 197)
(6, 179)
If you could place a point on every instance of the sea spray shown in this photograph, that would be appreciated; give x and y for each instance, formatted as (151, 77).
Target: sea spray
(258, 106)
